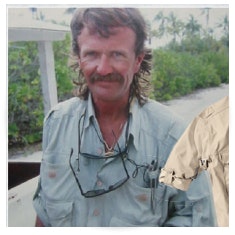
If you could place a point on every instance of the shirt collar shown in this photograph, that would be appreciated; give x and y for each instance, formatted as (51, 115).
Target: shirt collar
(90, 112)
(135, 121)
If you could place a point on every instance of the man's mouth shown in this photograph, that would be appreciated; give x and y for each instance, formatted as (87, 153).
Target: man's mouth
(114, 77)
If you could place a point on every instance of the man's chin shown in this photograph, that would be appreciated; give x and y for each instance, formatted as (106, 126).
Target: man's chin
(105, 96)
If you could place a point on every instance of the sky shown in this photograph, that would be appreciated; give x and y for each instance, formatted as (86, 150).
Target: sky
(22, 13)
(57, 13)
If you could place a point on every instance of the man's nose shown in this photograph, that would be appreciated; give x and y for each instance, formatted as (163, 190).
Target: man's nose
(104, 67)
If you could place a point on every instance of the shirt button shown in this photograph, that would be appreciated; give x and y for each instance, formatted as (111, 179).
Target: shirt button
(99, 151)
(199, 208)
(96, 212)
(99, 183)
(51, 174)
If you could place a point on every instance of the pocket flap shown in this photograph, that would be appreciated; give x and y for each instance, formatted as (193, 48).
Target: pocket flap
(59, 210)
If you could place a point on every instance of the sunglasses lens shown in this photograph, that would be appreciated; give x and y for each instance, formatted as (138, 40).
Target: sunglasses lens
(105, 176)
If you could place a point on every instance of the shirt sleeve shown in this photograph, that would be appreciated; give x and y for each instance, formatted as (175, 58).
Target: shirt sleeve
(39, 206)
(38, 202)
(183, 164)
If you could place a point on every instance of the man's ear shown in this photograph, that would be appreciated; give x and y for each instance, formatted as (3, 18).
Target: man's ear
(138, 61)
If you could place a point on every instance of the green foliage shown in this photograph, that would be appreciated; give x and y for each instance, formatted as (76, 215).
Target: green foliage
(194, 61)
(64, 75)
(25, 112)
(220, 60)
(25, 101)
(181, 68)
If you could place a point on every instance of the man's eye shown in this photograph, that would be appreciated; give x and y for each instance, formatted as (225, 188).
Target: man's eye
(117, 54)
(91, 54)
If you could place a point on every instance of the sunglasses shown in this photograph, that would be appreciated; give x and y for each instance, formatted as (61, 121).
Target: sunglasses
(115, 168)
(118, 164)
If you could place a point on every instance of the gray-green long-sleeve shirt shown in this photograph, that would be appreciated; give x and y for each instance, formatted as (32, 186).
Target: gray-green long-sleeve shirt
(71, 129)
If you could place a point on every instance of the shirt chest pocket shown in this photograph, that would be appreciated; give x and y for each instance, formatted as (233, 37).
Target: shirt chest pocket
(134, 208)
(60, 214)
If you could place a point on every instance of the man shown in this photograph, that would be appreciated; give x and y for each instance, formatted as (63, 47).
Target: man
(104, 149)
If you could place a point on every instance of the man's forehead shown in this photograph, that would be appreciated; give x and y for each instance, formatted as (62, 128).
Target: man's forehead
(110, 31)
(121, 37)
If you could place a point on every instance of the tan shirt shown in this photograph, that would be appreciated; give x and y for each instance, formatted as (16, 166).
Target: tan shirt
(204, 146)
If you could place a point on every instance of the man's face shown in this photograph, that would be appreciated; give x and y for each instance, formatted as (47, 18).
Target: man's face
(109, 64)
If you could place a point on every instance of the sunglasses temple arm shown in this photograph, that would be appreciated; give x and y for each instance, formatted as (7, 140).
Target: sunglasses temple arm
(74, 174)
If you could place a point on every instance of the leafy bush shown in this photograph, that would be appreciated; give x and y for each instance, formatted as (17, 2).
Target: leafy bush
(25, 101)
(64, 74)
(220, 60)
(25, 111)
(182, 68)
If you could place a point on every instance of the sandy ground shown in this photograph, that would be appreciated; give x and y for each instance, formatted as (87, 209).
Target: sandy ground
(20, 209)
(189, 106)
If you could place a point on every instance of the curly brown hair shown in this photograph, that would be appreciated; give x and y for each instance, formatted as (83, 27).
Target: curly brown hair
(102, 20)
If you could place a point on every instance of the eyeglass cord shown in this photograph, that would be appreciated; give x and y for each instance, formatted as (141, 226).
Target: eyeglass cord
(137, 166)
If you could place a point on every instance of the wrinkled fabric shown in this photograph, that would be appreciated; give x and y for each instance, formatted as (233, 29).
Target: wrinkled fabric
(204, 146)
(153, 131)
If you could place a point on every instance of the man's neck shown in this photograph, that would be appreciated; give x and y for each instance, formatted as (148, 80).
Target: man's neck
(112, 111)
(111, 117)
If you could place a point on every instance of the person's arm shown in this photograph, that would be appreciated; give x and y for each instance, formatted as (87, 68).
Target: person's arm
(38, 222)
(38, 200)
(183, 165)
(195, 207)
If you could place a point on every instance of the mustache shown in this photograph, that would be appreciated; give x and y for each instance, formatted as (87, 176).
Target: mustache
(112, 77)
